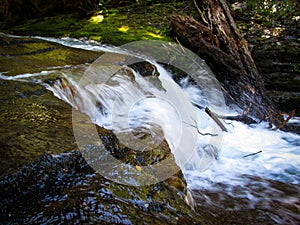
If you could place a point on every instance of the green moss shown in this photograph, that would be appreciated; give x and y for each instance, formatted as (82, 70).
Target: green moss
(28, 55)
(33, 122)
(118, 28)
(60, 25)
(143, 23)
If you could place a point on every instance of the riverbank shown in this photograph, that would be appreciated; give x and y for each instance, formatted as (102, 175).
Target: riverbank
(274, 46)
(115, 26)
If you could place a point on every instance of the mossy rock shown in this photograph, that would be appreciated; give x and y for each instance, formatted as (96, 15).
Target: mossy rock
(29, 55)
(33, 122)
(125, 24)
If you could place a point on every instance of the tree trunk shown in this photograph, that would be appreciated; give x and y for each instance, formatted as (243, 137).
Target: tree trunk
(217, 40)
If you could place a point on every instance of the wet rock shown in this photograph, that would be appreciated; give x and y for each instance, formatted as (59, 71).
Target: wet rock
(275, 50)
(29, 55)
(33, 122)
(287, 101)
(64, 189)
(150, 73)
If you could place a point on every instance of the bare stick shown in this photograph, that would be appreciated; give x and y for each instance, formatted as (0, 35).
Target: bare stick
(215, 118)
(180, 44)
(252, 154)
(199, 132)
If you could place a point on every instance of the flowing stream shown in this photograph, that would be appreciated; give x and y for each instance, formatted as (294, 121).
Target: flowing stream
(220, 163)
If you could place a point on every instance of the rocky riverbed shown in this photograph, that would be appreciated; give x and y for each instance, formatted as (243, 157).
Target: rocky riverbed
(46, 180)
(61, 187)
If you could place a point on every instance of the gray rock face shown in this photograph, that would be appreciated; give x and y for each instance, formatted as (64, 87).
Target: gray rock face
(278, 61)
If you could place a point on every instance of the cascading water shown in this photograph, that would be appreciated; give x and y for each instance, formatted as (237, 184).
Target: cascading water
(139, 102)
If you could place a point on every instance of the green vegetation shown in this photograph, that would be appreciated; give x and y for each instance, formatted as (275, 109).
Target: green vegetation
(109, 25)
(274, 11)
(270, 12)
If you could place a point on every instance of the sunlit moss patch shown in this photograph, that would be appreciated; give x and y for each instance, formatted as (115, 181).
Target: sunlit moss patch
(123, 28)
(96, 19)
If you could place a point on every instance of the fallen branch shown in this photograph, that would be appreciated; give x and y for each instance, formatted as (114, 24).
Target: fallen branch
(215, 118)
(219, 42)
(252, 154)
(198, 106)
(241, 118)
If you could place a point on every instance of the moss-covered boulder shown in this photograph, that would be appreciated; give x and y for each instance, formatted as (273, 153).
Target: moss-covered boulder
(30, 55)
(33, 121)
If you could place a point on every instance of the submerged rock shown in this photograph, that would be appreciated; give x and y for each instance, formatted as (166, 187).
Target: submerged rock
(33, 122)
(258, 201)
(64, 189)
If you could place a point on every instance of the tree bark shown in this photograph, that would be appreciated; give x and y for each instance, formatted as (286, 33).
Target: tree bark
(217, 40)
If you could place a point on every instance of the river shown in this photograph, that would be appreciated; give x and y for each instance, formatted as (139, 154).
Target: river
(250, 168)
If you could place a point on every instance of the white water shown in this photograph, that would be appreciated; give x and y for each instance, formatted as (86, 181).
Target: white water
(279, 159)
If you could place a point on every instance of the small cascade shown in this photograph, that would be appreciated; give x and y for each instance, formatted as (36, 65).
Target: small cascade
(125, 100)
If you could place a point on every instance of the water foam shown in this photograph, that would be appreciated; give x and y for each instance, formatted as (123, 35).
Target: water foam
(279, 158)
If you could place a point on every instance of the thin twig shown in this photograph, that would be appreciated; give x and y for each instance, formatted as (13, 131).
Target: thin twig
(179, 44)
(252, 154)
(199, 132)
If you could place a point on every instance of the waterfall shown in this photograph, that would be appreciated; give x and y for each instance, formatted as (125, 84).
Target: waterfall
(123, 100)
(127, 101)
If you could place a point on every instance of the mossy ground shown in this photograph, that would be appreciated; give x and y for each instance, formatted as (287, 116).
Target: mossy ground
(110, 26)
